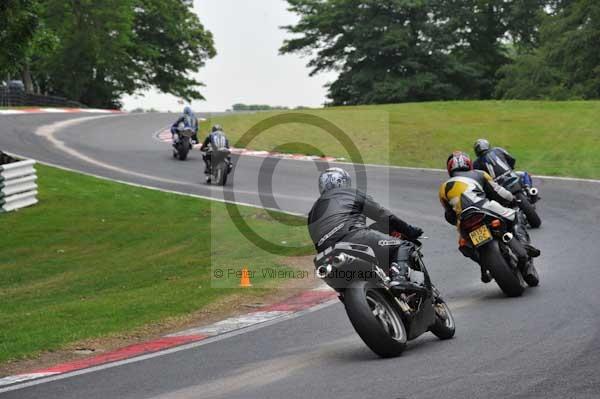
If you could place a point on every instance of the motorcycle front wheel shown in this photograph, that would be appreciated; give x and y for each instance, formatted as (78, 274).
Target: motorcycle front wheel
(375, 318)
(444, 327)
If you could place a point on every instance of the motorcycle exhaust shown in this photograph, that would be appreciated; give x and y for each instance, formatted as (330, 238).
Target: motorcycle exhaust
(533, 192)
(507, 237)
(340, 260)
(323, 271)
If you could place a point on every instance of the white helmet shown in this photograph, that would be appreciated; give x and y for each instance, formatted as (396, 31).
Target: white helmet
(334, 178)
(481, 146)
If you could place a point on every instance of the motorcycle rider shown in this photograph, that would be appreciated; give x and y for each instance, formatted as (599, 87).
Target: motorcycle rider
(467, 187)
(216, 139)
(187, 114)
(340, 215)
(497, 161)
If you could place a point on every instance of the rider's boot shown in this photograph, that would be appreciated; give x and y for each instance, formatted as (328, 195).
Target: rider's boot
(486, 277)
(523, 238)
(400, 281)
(532, 251)
(529, 274)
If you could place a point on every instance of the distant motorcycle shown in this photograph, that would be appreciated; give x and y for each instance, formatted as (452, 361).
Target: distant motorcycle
(385, 318)
(487, 239)
(182, 141)
(521, 186)
(220, 166)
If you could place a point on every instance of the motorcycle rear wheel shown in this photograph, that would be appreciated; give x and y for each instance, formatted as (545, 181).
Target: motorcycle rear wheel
(183, 148)
(219, 177)
(530, 212)
(508, 280)
(182, 154)
(375, 318)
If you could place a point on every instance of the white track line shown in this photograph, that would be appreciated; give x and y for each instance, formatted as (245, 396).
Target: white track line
(164, 190)
(192, 345)
(61, 125)
(49, 131)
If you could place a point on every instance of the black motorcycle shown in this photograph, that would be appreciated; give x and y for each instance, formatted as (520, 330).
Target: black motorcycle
(182, 143)
(486, 239)
(220, 166)
(521, 186)
(385, 317)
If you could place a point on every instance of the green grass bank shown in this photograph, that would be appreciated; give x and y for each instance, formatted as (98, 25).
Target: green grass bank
(552, 138)
(96, 258)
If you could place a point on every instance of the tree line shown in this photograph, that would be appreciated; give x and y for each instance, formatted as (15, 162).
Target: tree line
(389, 51)
(95, 51)
(265, 107)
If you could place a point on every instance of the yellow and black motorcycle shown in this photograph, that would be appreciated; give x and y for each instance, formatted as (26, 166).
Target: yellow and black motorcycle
(487, 239)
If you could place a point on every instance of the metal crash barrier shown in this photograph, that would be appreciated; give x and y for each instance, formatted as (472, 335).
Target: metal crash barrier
(18, 187)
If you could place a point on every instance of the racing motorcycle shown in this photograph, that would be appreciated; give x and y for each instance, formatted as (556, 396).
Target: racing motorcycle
(220, 166)
(384, 317)
(520, 185)
(486, 239)
(182, 140)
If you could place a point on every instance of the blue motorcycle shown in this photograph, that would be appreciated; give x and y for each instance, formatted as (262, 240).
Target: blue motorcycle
(520, 184)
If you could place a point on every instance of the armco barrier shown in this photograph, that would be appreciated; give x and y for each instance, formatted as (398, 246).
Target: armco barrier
(18, 98)
(18, 187)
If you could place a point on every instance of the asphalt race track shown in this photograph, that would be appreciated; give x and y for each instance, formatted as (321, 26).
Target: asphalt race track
(545, 344)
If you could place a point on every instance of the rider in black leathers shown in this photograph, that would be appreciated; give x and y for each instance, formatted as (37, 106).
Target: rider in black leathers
(340, 214)
(215, 140)
(498, 162)
(495, 161)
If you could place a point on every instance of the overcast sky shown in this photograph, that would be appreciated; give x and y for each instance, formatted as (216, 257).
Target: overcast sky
(247, 68)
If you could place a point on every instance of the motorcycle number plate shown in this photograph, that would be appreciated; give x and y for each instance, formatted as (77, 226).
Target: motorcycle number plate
(480, 236)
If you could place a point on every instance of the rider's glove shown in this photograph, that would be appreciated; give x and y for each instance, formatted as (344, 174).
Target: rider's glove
(414, 232)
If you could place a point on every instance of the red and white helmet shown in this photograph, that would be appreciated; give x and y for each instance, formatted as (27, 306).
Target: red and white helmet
(458, 161)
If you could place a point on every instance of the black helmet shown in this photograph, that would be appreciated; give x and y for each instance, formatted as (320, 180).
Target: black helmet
(481, 146)
(217, 128)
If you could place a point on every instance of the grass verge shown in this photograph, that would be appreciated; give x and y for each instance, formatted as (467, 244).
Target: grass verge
(553, 138)
(96, 258)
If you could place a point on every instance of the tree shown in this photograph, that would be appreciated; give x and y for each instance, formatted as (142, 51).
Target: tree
(256, 107)
(486, 34)
(571, 41)
(385, 50)
(107, 48)
(170, 42)
(411, 50)
(18, 23)
(567, 64)
(530, 78)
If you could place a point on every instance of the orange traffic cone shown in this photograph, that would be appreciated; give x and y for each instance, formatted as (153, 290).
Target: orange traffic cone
(245, 280)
